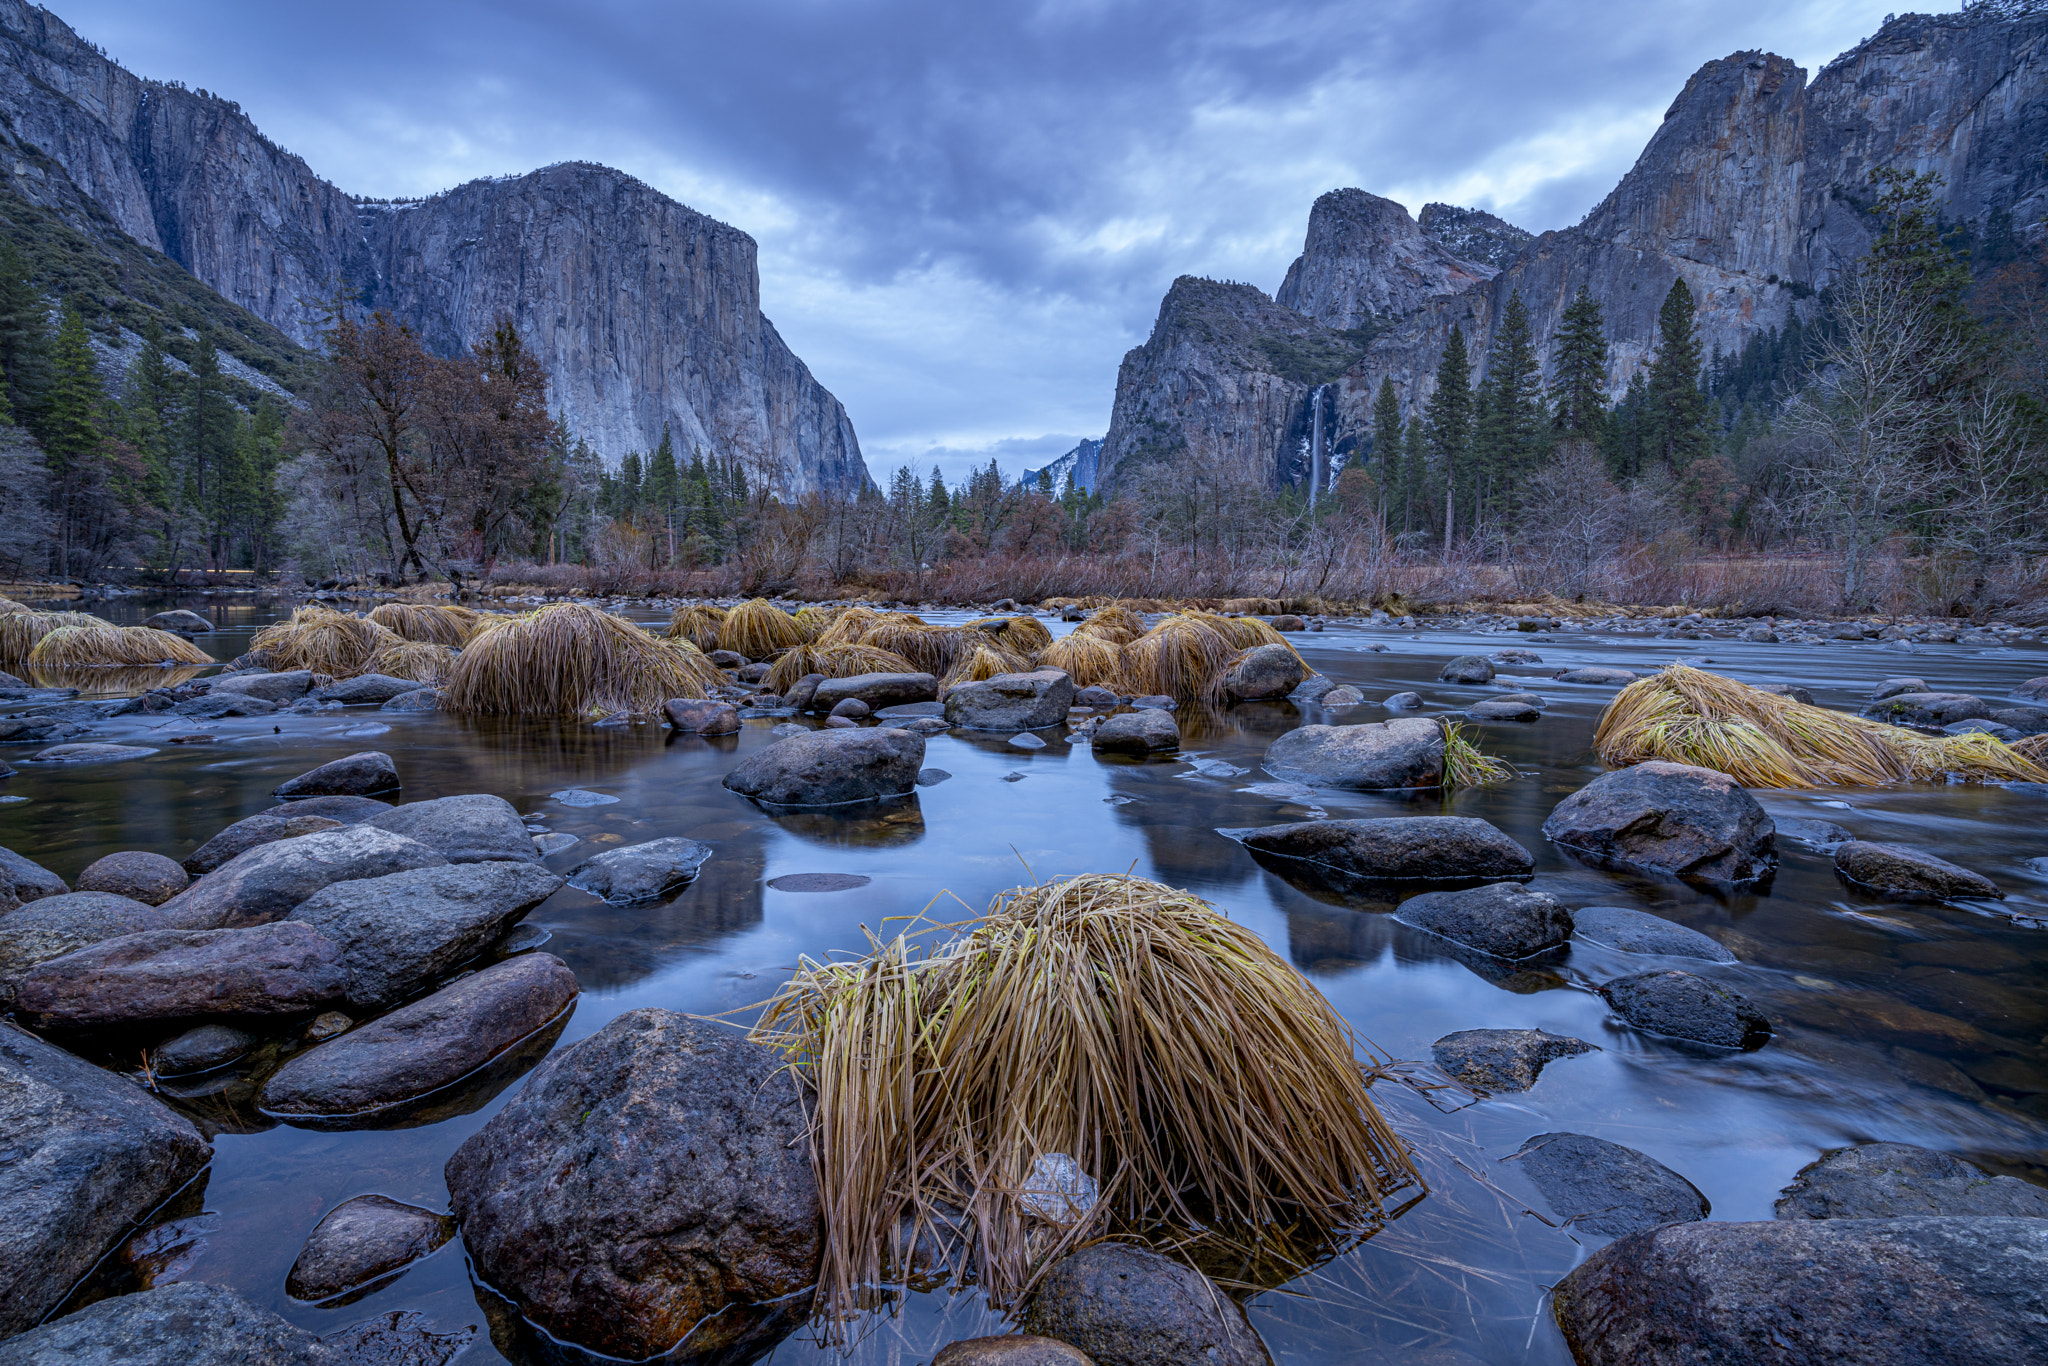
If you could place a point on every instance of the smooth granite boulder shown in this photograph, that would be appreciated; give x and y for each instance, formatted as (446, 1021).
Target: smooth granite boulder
(186, 1323)
(1467, 669)
(1887, 1180)
(641, 872)
(1605, 1188)
(1264, 672)
(1397, 848)
(264, 883)
(178, 619)
(1633, 931)
(1895, 870)
(1504, 919)
(359, 775)
(1683, 1006)
(691, 716)
(475, 828)
(159, 976)
(266, 687)
(362, 1240)
(1137, 732)
(1379, 756)
(263, 828)
(1929, 708)
(57, 925)
(828, 768)
(366, 690)
(149, 878)
(875, 690)
(1127, 1306)
(1669, 818)
(1010, 702)
(27, 879)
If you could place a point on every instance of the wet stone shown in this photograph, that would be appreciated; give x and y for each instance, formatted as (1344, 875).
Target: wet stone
(366, 690)
(187, 1322)
(1025, 740)
(169, 975)
(1467, 669)
(818, 882)
(472, 828)
(641, 872)
(358, 775)
(200, 1050)
(1015, 1349)
(1605, 1188)
(691, 717)
(361, 1240)
(931, 777)
(1887, 1180)
(1401, 701)
(1895, 870)
(576, 796)
(419, 699)
(827, 768)
(1397, 848)
(1599, 674)
(1504, 919)
(1503, 1059)
(1136, 732)
(243, 835)
(1632, 931)
(1126, 1306)
(1671, 818)
(92, 753)
(1379, 756)
(263, 884)
(53, 926)
(1680, 1005)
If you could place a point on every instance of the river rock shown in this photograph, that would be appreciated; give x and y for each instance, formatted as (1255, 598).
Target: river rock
(691, 716)
(803, 692)
(1893, 687)
(87, 1156)
(1929, 708)
(151, 879)
(1094, 695)
(264, 828)
(827, 768)
(1886, 1180)
(1127, 1306)
(267, 687)
(1434, 848)
(1503, 1059)
(1264, 672)
(1894, 870)
(178, 619)
(366, 690)
(876, 690)
(1872, 1292)
(219, 707)
(1014, 1349)
(1670, 818)
(91, 753)
(1378, 756)
(1632, 931)
(28, 879)
(641, 872)
(265, 883)
(1515, 657)
(1682, 1006)
(1504, 919)
(1468, 669)
(188, 1323)
(1607, 1189)
(2024, 720)
(1504, 709)
(1310, 689)
(1136, 732)
(200, 1049)
(642, 1181)
(1400, 701)
(166, 975)
(56, 925)
(358, 775)
(1596, 673)
(399, 932)
(1346, 696)
(347, 810)
(852, 708)
(424, 1046)
(474, 828)
(359, 1241)
(1012, 702)
(2033, 690)
(419, 699)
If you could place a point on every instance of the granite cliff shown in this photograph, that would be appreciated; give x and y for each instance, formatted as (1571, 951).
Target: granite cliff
(645, 311)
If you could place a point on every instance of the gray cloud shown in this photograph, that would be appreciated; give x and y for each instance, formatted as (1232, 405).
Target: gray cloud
(968, 212)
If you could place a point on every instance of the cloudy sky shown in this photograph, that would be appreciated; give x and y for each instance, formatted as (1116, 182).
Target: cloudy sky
(969, 209)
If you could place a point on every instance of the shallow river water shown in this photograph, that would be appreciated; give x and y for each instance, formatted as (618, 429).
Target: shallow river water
(1915, 1023)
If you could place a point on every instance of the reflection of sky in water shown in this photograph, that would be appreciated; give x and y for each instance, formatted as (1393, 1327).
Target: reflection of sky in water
(1914, 1023)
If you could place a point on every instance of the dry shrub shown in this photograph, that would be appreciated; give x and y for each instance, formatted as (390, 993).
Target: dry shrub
(980, 662)
(1089, 660)
(2032, 747)
(107, 646)
(697, 623)
(422, 661)
(834, 661)
(1125, 1024)
(1182, 657)
(1248, 633)
(1270, 607)
(1115, 623)
(852, 624)
(814, 619)
(571, 659)
(116, 680)
(19, 631)
(1760, 739)
(1019, 635)
(433, 623)
(758, 629)
(933, 649)
(325, 641)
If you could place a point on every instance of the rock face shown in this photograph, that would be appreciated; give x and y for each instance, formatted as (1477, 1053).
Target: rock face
(56, 925)
(643, 312)
(151, 879)
(1682, 1006)
(1432, 848)
(1126, 1306)
(1366, 259)
(1379, 756)
(644, 1179)
(360, 1240)
(476, 828)
(1137, 732)
(266, 882)
(165, 975)
(422, 1047)
(1671, 818)
(1887, 1180)
(1009, 702)
(188, 1322)
(399, 932)
(87, 1155)
(827, 768)
(1605, 1188)
(1504, 919)
(1894, 870)
(641, 872)
(263, 828)
(1503, 1059)
(1877, 1292)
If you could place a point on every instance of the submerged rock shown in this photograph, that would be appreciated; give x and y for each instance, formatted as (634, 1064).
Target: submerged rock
(1310, 689)
(359, 1241)
(641, 872)
(1894, 870)
(1886, 1180)
(419, 699)
(188, 1323)
(200, 1049)
(167, 975)
(1136, 732)
(1682, 1006)
(1632, 931)
(692, 717)
(1012, 702)
(1126, 1306)
(1613, 678)
(151, 879)
(263, 884)
(652, 1180)
(1504, 709)
(1503, 1059)
(1929, 708)
(1015, 1349)
(1505, 919)
(1605, 1188)
(827, 768)
(91, 753)
(1670, 818)
(358, 775)
(475, 828)
(264, 828)
(1397, 848)
(1379, 756)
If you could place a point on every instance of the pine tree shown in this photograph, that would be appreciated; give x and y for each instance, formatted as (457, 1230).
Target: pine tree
(1386, 441)
(1579, 371)
(660, 492)
(1675, 420)
(207, 450)
(24, 338)
(1508, 426)
(72, 431)
(1415, 500)
(1449, 419)
(1622, 438)
(628, 494)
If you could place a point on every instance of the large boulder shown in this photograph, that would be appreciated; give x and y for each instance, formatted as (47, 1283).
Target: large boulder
(265, 883)
(1929, 708)
(186, 1322)
(149, 878)
(1597, 674)
(263, 828)
(365, 690)
(419, 699)
(1895, 870)
(830, 767)
(692, 716)
(159, 976)
(1669, 818)
(1137, 732)
(399, 932)
(1886, 1180)
(57, 925)
(2033, 690)
(1503, 1059)
(1467, 669)
(1432, 848)
(1872, 1292)
(1604, 1188)
(641, 872)
(178, 619)
(347, 810)
(87, 1155)
(875, 690)
(1013, 1349)
(1127, 1306)
(358, 775)
(1682, 1006)
(641, 1182)
(1378, 756)
(1010, 702)
(1264, 672)
(1632, 931)
(359, 1241)
(265, 687)
(1505, 919)
(422, 1047)
(27, 879)
(475, 828)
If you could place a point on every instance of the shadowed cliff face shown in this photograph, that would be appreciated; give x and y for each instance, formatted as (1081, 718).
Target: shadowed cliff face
(1365, 258)
(645, 311)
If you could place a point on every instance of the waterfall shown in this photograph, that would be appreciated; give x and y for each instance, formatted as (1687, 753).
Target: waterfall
(1315, 446)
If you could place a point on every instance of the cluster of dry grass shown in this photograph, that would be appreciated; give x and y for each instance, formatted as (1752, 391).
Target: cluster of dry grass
(758, 629)
(832, 661)
(326, 641)
(104, 645)
(571, 659)
(1128, 1025)
(1760, 739)
(697, 623)
(21, 628)
(433, 623)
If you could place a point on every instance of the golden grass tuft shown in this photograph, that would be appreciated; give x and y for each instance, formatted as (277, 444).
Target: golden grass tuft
(19, 631)
(1115, 623)
(758, 629)
(9, 605)
(696, 622)
(1183, 657)
(325, 641)
(422, 661)
(933, 649)
(1465, 766)
(980, 662)
(1760, 739)
(850, 625)
(1019, 635)
(107, 646)
(433, 623)
(117, 680)
(814, 619)
(1128, 1025)
(834, 661)
(2032, 747)
(571, 659)
(1089, 660)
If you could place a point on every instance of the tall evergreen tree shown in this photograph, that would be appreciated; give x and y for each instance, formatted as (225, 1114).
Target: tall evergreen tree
(73, 441)
(24, 338)
(1675, 421)
(213, 483)
(1507, 428)
(1386, 443)
(1579, 370)
(1415, 500)
(1449, 419)
(660, 492)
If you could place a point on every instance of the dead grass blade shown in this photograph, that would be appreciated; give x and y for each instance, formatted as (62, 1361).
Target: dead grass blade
(572, 659)
(326, 641)
(106, 646)
(980, 662)
(434, 623)
(1089, 660)
(696, 622)
(422, 661)
(1183, 657)
(758, 629)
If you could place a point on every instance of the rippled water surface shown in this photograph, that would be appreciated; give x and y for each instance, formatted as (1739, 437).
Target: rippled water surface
(1916, 1023)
